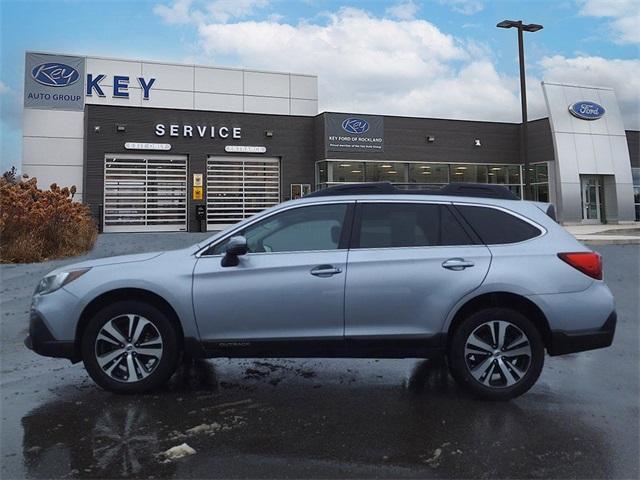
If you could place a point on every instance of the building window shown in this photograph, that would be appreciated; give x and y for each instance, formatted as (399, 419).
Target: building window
(321, 170)
(346, 172)
(393, 172)
(469, 173)
(635, 172)
(427, 174)
(539, 178)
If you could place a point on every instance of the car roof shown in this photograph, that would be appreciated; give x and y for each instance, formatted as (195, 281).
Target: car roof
(405, 198)
(457, 189)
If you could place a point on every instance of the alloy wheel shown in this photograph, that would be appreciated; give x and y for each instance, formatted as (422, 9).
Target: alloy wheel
(498, 354)
(128, 348)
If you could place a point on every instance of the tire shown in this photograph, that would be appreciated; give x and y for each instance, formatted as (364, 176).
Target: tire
(512, 364)
(130, 334)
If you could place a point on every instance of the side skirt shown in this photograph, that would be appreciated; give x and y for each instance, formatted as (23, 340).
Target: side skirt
(400, 346)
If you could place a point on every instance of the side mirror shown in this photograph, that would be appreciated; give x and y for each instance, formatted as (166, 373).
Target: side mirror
(237, 246)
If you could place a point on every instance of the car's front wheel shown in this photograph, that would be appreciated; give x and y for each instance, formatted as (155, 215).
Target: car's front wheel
(130, 347)
(496, 353)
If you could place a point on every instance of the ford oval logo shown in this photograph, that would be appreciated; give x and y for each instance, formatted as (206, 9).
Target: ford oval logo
(357, 126)
(55, 74)
(586, 110)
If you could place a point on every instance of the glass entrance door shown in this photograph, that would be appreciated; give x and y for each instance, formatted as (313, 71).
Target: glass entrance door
(591, 198)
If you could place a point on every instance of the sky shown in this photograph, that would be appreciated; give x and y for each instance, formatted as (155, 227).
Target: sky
(427, 58)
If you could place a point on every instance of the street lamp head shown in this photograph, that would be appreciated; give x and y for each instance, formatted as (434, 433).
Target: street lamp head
(532, 27)
(507, 24)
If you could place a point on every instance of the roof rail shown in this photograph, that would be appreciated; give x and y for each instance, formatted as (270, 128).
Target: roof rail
(481, 190)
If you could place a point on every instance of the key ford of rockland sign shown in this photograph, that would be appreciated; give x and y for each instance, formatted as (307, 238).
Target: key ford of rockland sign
(57, 82)
(346, 133)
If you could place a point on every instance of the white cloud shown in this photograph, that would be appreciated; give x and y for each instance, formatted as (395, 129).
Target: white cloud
(466, 7)
(383, 65)
(224, 10)
(403, 11)
(10, 126)
(188, 11)
(608, 8)
(373, 65)
(622, 75)
(10, 107)
(624, 15)
(178, 12)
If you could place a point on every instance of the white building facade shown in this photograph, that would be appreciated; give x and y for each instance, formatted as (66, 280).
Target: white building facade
(593, 176)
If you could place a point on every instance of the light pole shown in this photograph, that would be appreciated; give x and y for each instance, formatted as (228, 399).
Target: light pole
(524, 157)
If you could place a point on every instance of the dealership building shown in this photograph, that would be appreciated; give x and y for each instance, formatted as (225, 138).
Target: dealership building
(169, 147)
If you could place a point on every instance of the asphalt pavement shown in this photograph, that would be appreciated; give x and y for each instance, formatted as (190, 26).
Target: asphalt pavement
(290, 418)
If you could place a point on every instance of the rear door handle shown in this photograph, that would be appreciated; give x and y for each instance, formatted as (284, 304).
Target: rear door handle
(325, 271)
(457, 264)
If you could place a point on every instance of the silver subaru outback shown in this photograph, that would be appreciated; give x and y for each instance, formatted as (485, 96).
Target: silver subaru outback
(366, 271)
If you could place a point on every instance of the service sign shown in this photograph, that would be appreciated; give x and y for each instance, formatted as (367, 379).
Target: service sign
(147, 146)
(245, 149)
(54, 82)
(354, 133)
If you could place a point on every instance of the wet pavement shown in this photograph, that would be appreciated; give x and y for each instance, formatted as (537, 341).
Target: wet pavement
(289, 418)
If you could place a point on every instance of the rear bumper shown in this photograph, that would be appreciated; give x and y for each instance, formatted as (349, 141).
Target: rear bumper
(41, 341)
(563, 342)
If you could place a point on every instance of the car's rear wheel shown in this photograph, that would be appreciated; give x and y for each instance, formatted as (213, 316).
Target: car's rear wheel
(130, 347)
(496, 353)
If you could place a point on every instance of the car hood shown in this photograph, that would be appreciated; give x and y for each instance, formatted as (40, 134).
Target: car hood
(100, 262)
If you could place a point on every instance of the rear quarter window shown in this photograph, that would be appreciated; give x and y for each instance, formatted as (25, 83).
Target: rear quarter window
(496, 226)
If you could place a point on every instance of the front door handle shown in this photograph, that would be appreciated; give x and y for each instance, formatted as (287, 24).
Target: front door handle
(457, 264)
(325, 271)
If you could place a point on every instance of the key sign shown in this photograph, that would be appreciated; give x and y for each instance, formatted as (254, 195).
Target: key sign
(55, 74)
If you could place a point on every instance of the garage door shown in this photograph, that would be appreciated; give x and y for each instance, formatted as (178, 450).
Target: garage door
(240, 187)
(145, 193)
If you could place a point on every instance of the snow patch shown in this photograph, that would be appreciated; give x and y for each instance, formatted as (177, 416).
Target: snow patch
(179, 451)
(434, 460)
(208, 428)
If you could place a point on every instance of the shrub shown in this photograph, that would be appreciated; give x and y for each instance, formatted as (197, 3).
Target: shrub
(37, 225)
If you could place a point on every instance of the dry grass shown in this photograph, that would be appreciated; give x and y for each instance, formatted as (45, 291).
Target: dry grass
(38, 225)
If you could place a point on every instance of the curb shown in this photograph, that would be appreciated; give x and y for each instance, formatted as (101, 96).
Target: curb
(615, 241)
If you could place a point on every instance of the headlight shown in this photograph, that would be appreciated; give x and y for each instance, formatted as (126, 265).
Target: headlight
(51, 283)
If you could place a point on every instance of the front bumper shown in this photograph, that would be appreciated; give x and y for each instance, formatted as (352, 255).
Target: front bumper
(41, 341)
(563, 342)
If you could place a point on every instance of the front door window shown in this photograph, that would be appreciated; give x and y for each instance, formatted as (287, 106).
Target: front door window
(312, 228)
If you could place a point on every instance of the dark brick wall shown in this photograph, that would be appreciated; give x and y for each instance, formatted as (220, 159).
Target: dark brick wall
(540, 141)
(299, 142)
(405, 138)
(292, 142)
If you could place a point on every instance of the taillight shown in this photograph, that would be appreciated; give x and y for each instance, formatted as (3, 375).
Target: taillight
(589, 263)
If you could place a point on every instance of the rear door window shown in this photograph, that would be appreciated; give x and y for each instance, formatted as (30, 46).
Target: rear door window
(496, 227)
(395, 225)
